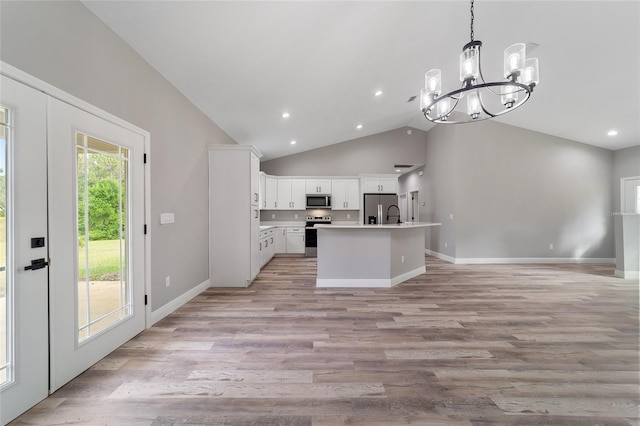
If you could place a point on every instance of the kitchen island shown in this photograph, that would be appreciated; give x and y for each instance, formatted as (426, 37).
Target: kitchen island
(370, 255)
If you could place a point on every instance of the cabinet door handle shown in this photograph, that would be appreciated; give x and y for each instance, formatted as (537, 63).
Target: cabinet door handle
(256, 196)
(271, 240)
(256, 214)
(260, 246)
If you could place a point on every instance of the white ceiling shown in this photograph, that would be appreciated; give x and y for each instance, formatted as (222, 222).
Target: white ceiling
(245, 63)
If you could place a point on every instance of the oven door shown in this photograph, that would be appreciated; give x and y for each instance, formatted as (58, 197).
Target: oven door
(310, 241)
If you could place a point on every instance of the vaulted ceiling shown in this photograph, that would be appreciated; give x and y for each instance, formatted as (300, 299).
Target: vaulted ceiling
(246, 63)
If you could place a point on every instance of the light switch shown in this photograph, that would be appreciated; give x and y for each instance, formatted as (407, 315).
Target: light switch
(166, 218)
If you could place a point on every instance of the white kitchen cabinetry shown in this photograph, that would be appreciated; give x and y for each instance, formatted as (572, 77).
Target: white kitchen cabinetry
(263, 184)
(271, 193)
(318, 186)
(345, 194)
(281, 240)
(291, 194)
(266, 246)
(382, 185)
(295, 240)
(234, 217)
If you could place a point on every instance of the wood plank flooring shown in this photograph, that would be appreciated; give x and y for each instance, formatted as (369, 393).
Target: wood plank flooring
(459, 345)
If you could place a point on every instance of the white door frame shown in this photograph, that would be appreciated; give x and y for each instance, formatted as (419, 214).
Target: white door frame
(29, 80)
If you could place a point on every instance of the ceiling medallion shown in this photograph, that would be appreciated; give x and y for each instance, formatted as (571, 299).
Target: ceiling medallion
(484, 100)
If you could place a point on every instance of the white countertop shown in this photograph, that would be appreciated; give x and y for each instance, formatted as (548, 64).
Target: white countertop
(385, 226)
(272, 223)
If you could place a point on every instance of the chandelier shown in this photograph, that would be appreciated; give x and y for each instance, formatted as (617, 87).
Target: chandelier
(483, 99)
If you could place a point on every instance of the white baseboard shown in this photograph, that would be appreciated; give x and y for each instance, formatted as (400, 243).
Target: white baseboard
(440, 256)
(514, 260)
(169, 307)
(627, 275)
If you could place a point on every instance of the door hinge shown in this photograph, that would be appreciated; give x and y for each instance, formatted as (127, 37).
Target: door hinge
(145, 300)
(145, 229)
(145, 158)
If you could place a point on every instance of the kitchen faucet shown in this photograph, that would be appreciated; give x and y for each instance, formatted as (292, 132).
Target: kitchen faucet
(396, 215)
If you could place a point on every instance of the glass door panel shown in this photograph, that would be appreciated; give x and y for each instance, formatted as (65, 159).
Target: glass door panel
(6, 351)
(103, 294)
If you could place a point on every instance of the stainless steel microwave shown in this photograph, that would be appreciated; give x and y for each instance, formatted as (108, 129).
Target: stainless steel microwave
(318, 201)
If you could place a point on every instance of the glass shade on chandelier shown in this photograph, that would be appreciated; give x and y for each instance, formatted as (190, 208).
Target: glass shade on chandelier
(484, 99)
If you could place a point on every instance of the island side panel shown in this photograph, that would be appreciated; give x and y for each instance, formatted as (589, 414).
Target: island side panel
(354, 254)
(407, 254)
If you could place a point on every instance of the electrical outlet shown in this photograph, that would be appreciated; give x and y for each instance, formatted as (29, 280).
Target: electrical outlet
(446, 245)
(451, 216)
(167, 281)
(401, 259)
(550, 246)
(295, 216)
(273, 215)
(348, 216)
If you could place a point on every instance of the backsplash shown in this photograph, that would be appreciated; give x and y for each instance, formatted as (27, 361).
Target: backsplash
(290, 215)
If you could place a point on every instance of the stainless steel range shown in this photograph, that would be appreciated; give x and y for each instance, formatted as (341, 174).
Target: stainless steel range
(311, 234)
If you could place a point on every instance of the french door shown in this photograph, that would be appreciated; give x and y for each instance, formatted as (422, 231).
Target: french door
(24, 360)
(96, 217)
(71, 242)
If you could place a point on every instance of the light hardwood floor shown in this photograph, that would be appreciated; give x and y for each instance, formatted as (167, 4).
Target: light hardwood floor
(459, 345)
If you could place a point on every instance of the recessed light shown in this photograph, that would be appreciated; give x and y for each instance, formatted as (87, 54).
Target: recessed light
(285, 115)
(612, 132)
(359, 126)
(397, 170)
(292, 142)
(378, 93)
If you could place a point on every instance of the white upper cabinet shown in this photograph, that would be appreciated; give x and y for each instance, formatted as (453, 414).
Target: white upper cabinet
(318, 186)
(345, 194)
(263, 184)
(271, 193)
(291, 194)
(382, 185)
(255, 180)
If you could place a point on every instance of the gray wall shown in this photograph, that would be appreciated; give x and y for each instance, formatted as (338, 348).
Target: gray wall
(440, 189)
(513, 192)
(65, 45)
(371, 154)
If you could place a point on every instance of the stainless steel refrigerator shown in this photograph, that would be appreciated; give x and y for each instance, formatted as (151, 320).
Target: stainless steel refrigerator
(381, 208)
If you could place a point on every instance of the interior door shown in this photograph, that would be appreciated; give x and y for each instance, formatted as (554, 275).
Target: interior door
(96, 212)
(23, 238)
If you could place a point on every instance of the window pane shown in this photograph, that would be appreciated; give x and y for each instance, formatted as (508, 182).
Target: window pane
(103, 283)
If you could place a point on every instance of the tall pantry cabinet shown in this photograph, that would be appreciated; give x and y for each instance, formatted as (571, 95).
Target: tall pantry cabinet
(234, 215)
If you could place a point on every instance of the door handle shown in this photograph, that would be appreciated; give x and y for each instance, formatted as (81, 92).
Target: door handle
(36, 264)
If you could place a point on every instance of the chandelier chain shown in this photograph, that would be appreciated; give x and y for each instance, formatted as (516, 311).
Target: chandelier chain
(472, 16)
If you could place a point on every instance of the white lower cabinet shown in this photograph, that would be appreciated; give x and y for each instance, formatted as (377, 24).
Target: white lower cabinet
(281, 240)
(266, 246)
(295, 240)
